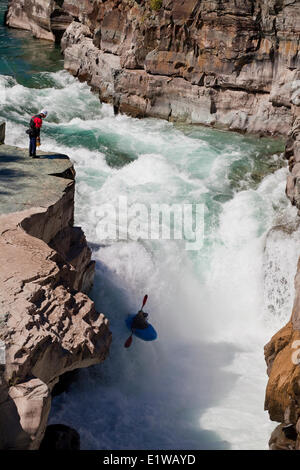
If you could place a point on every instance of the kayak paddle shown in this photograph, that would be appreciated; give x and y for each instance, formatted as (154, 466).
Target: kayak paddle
(129, 340)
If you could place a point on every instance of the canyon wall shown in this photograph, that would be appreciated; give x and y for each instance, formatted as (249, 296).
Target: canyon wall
(48, 325)
(228, 63)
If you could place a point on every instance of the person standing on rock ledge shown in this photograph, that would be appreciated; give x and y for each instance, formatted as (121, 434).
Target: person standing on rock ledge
(34, 131)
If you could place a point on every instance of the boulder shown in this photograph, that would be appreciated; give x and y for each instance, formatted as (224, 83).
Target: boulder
(48, 325)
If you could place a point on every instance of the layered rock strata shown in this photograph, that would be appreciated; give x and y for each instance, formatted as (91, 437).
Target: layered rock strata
(44, 18)
(2, 132)
(231, 63)
(48, 325)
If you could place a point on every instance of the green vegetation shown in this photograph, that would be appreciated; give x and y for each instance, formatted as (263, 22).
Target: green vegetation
(156, 4)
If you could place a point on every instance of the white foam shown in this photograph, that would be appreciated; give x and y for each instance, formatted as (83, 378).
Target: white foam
(202, 384)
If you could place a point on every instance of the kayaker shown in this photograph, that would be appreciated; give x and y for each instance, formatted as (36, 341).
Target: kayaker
(34, 132)
(140, 321)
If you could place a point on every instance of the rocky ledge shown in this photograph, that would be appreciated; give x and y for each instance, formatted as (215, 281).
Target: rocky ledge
(232, 64)
(48, 325)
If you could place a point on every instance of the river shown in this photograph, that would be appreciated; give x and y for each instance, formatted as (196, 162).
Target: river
(202, 384)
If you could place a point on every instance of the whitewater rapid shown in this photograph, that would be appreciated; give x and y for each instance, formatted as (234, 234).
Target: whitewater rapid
(201, 386)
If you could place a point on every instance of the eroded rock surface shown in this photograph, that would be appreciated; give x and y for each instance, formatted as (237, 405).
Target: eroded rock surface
(60, 437)
(233, 63)
(230, 63)
(47, 324)
(44, 18)
(283, 351)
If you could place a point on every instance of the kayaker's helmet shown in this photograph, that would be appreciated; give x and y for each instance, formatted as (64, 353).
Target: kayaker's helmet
(44, 112)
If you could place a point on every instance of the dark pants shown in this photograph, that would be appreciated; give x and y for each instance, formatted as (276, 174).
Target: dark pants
(32, 146)
(140, 322)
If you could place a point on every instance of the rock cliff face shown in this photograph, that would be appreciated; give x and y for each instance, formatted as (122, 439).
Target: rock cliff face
(230, 63)
(47, 324)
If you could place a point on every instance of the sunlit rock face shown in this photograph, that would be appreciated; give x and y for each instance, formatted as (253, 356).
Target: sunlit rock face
(232, 64)
(48, 325)
(282, 352)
